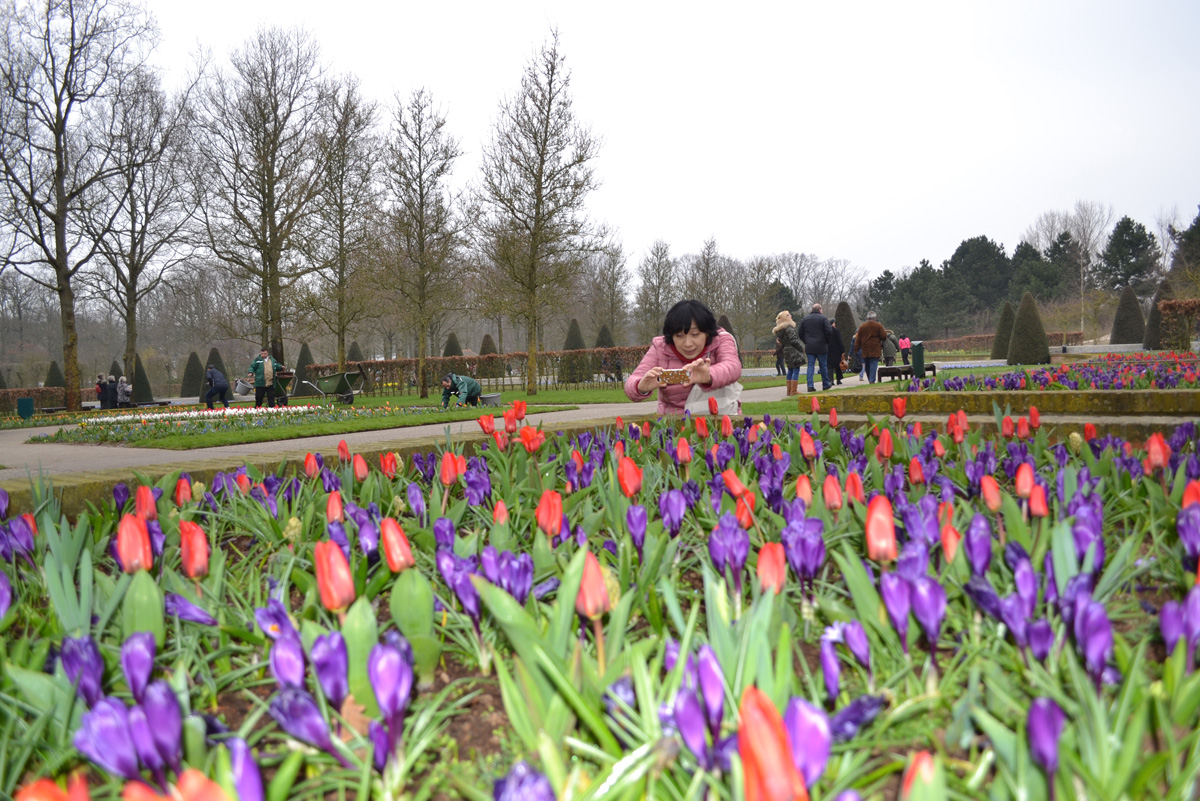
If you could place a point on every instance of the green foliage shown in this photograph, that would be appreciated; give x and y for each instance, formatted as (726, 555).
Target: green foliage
(1130, 258)
(355, 353)
(574, 369)
(488, 346)
(779, 297)
(1152, 339)
(1065, 256)
(303, 362)
(1129, 328)
(1034, 273)
(54, 377)
(491, 368)
(844, 317)
(193, 377)
(984, 270)
(604, 339)
(452, 347)
(1186, 258)
(1003, 332)
(879, 292)
(1028, 344)
(141, 383)
(116, 370)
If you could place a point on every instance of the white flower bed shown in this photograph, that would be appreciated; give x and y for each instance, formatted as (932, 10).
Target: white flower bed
(244, 412)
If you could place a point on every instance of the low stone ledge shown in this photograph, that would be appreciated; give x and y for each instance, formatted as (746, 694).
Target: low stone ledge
(1084, 401)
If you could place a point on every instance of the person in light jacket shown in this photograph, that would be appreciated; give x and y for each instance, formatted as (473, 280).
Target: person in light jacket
(692, 341)
(124, 394)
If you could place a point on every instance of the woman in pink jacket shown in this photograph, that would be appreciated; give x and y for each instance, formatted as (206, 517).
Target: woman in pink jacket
(691, 341)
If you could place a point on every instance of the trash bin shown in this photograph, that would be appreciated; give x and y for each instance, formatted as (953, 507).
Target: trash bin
(25, 408)
(918, 359)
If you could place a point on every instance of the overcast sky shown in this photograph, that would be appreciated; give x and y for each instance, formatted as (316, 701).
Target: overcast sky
(878, 132)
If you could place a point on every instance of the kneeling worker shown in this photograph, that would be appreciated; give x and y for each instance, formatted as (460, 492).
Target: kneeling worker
(467, 389)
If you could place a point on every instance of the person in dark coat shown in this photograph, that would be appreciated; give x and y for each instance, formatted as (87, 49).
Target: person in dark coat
(836, 351)
(218, 387)
(110, 392)
(779, 369)
(793, 349)
(816, 331)
(870, 340)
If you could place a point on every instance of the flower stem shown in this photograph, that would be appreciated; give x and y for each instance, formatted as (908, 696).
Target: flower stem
(598, 631)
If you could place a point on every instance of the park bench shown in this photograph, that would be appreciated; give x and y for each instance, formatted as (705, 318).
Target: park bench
(343, 386)
(152, 403)
(897, 371)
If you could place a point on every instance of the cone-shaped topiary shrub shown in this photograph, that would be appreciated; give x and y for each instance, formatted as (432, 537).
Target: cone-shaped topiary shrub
(141, 383)
(604, 339)
(1129, 328)
(574, 368)
(1152, 339)
(452, 347)
(843, 315)
(1003, 331)
(214, 358)
(54, 376)
(489, 368)
(1028, 344)
(193, 377)
(116, 370)
(355, 353)
(303, 362)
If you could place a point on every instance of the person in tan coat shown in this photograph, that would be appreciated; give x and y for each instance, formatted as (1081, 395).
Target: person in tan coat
(870, 339)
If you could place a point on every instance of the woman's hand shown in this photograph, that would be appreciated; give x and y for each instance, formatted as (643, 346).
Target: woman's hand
(698, 371)
(650, 380)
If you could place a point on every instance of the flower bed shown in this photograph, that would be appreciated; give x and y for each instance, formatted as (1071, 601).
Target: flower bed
(750, 609)
(1110, 374)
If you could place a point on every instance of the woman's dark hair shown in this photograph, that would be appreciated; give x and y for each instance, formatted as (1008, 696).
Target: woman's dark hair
(683, 314)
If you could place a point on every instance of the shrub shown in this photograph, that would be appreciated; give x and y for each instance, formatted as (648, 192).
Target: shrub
(843, 315)
(193, 377)
(1003, 331)
(54, 377)
(1152, 339)
(141, 383)
(3, 384)
(574, 369)
(1128, 328)
(355, 353)
(303, 361)
(452, 347)
(489, 368)
(214, 358)
(604, 339)
(1179, 322)
(1028, 344)
(116, 369)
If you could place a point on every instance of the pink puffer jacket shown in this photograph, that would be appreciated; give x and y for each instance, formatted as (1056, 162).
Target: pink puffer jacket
(726, 368)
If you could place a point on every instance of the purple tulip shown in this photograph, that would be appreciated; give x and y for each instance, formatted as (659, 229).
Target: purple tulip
(523, 783)
(137, 660)
(830, 667)
(978, 545)
(142, 735)
(980, 590)
(392, 679)
(689, 722)
(298, 715)
(331, 665)
(274, 621)
(416, 502)
(712, 688)
(1040, 635)
(1026, 583)
(810, 738)
(103, 737)
(898, 603)
(672, 506)
(860, 712)
(443, 533)
(1044, 725)
(287, 662)
(635, 519)
(162, 707)
(6, 593)
(247, 779)
(855, 638)
(84, 667)
(929, 608)
(120, 496)
(180, 607)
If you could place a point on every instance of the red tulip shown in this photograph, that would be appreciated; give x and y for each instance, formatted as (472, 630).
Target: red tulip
(592, 600)
(945, 511)
(144, 504)
(449, 468)
(683, 451)
(920, 772)
(310, 466)
(532, 438)
(950, 540)
(772, 567)
(1037, 502)
(1158, 452)
(726, 427)
(619, 449)
(333, 508)
(1024, 480)
(133, 544)
(360, 468)
(962, 420)
(510, 421)
(183, 492)
(753, 435)
(833, 420)
(854, 487)
(701, 427)
(577, 458)
(646, 429)
(549, 513)
(1035, 418)
(343, 452)
(831, 492)
(712, 406)
(991, 493)
(629, 476)
(899, 407)
(193, 550)
(243, 483)
(804, 490)
(1022, 428)
(487, 422)
(396, 548)
(1089, 432)
(916, 473)
(766, 752)
(958, 435)
(389, 464)
(1191, 493)
(619, 423)
(519, 408)
(1006, 427)
(885, 448)
(881, 530)
(29, 521)
(776, 451)
(917, 430)
(500, 513)
(807, 447)
(501, 441)
(734, 484)
(744, 509)
(334, 579)
(47, 790)
(816, 404)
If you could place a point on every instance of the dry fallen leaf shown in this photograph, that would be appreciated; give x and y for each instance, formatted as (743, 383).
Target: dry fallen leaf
(355, 717)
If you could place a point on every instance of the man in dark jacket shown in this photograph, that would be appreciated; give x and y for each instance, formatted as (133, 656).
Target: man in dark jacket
(466, 388)
(815, 331)
(218, 387)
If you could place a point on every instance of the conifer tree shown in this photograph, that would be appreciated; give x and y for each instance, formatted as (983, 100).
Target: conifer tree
(489, 368)
(452, 347)
(1129, 327)
(192, 382)
(303, 362)
(1028, 344)
(1003, 331)
(355, 353)
(54, 377)
(574, 369)
(142, 393)
(1152, 339)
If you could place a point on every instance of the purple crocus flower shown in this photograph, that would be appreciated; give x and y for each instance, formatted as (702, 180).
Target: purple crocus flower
(712, 688)
(1040, 635)
(162, 707)
(274, 621)
(381, 745)
(860, 712)
(247, 779)
(808, 732)
(829, 666)
(671, 658)
(1044, 726)
(330, 480)
(855, 638)
(894, 590)
(337, 533)
(120, 496)
(142, 735)
(914, 560)
(523, 783)
(848, 795)
(443, 533)
(1170, 623)
(103, 737)
(368, 537)
(929, 607)
(1012, 612)
(6, 593)
(672, 506)
(84, 667)
(392, 679)
(298, 715)
(689, 722)
(980, 590)
(978, 544)
(729, 546)
(287, 662)
(180, 607)
(804, 546)
(1096, 641)
(1187, 525)
(1191, 620)
(635, 519)
(137, 660)
(1026, 583)
(20, 535)
(416, 502)
(546, 587)
(3, 504)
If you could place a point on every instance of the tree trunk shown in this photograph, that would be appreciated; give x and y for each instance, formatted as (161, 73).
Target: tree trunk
(66, 306)
(131, 331)
(531, 371)
(500, 333)
(422, 384)
(341, 356)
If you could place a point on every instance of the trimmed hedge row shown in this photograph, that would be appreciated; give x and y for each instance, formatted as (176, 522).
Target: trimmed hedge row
(977, 343)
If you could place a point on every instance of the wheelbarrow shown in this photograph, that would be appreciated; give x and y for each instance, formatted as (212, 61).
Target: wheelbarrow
(341, 386)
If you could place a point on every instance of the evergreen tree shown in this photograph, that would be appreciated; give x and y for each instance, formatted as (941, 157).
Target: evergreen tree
(214, 358)
(489, 368)
(843, 315)
(1003, 331)
(452, 347)
(574, 369)
(142, 393)
(1028, 344)
(1129, 328)
(604, 339)
(1130, 258)
(193, 377)
(355, 353)
(54, 377)
(303, 362)
(115, 369)
(1152, 339)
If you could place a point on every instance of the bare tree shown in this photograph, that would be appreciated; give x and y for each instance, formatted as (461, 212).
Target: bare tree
(752, 311)
(604, 286)
(796, 271)
(260, 168)
(1165, 222)
(62, 62)
(537, 172)
(426, 221)
(656, 293)
(1046, 229)
(706, 277)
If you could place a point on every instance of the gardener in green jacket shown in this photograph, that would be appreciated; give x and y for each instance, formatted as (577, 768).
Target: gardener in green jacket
(465, 387)
(264, 369)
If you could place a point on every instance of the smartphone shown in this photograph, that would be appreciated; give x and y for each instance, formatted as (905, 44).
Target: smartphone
(679, 376)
